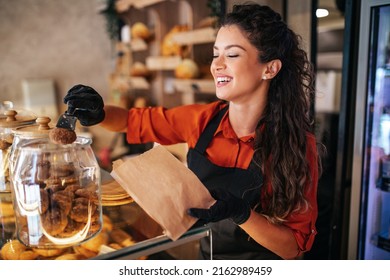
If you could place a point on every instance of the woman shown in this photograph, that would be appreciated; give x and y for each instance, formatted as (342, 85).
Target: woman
(254, 150)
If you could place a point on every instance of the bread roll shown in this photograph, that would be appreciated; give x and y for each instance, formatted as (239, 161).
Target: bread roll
(49, 252)
(187, 69)
(140, 30)
(169, 47)
(12, 250)
(94, 243)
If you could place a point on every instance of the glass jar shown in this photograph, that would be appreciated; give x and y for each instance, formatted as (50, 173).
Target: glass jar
(11, 120)
(56, 193)
(28, 135)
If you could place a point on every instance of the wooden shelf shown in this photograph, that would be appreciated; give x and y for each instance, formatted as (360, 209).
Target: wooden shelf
(137, 45)
(162, 62)
(197, 36)
(123, 5)
(190, 87)
(161, 16)
(195, 85)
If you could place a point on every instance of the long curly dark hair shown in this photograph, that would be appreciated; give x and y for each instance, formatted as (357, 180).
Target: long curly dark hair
(280, 139)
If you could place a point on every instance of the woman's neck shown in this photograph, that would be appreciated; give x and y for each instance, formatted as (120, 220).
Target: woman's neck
(244, 119)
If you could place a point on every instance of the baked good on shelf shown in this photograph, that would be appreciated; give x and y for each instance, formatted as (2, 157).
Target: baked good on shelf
(139, 69)
(140, 30)
(187, 69)
(169, 47)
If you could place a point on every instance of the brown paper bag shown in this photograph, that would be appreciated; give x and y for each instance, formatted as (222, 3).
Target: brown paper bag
(164, 188)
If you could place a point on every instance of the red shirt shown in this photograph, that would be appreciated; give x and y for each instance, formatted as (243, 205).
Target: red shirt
(184, 124)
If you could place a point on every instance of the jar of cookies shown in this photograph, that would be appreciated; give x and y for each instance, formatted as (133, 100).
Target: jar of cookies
(11, 120)
(56, 192)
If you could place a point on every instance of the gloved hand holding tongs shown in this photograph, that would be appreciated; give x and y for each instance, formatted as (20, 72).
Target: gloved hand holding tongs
(84, 104)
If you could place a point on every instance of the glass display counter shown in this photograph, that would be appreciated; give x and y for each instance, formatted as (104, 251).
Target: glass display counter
(127, 233)
(153, 245)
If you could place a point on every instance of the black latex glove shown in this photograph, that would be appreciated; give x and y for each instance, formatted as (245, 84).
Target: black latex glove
(227, 206)
(88, 102)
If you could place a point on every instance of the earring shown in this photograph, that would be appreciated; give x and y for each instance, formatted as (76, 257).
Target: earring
(264, 77)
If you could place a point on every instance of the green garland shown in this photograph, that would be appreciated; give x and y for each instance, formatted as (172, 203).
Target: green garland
(112, 20)
(215, 7)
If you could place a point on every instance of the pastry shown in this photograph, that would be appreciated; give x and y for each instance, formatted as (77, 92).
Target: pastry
(80, 208)
(62, 136)
(12, 250)
(6, 209)
(115, 246)
(121, 237)
(187, 69)
(70, 256)
(64, 200)
(44, 201)
(140, 30)
(107, 224)
(71, 228)
(49, 252)
(28, 255)
(84, 252)
(138, 69)
(96, 225)
(95, 242)
(89, 194)
(170, 47)
(54, 221)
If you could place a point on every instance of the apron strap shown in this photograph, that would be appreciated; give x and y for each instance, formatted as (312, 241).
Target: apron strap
(207, 135)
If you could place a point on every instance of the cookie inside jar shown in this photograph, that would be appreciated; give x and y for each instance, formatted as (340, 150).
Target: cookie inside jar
(56, 191)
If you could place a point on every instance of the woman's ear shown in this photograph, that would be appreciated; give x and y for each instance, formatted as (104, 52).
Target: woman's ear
(273, 68)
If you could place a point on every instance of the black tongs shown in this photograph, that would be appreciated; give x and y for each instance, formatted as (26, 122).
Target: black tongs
(67, 120)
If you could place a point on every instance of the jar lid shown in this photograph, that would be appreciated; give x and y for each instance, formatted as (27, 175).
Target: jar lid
(41, 128)
(14, 119)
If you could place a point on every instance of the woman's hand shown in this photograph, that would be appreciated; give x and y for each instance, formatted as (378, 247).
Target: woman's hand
(227, 206)
(85, 104)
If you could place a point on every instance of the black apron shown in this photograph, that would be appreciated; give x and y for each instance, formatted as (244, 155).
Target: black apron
(228, 240)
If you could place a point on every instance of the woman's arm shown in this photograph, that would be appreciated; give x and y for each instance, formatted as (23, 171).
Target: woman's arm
(115, 118)
(276, 238)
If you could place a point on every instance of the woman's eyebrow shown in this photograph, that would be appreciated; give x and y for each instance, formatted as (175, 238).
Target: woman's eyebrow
(230, 46)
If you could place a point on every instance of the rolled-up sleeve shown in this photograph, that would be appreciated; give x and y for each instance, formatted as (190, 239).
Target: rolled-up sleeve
(168, 126)
(303, 224)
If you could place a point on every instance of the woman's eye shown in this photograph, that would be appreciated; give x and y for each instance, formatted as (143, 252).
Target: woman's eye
(215, 56)
(232, 55)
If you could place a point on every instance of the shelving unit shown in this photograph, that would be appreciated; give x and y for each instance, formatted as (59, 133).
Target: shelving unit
(163, 88)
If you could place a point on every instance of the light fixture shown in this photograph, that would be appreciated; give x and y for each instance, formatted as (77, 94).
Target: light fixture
(322, 13)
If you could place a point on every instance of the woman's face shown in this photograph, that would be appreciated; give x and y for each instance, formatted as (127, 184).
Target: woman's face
(235, 67)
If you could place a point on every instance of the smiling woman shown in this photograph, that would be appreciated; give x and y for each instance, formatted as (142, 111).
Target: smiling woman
(254, 149)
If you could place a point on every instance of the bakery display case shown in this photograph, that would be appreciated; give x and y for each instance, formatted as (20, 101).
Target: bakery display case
(127, 233)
